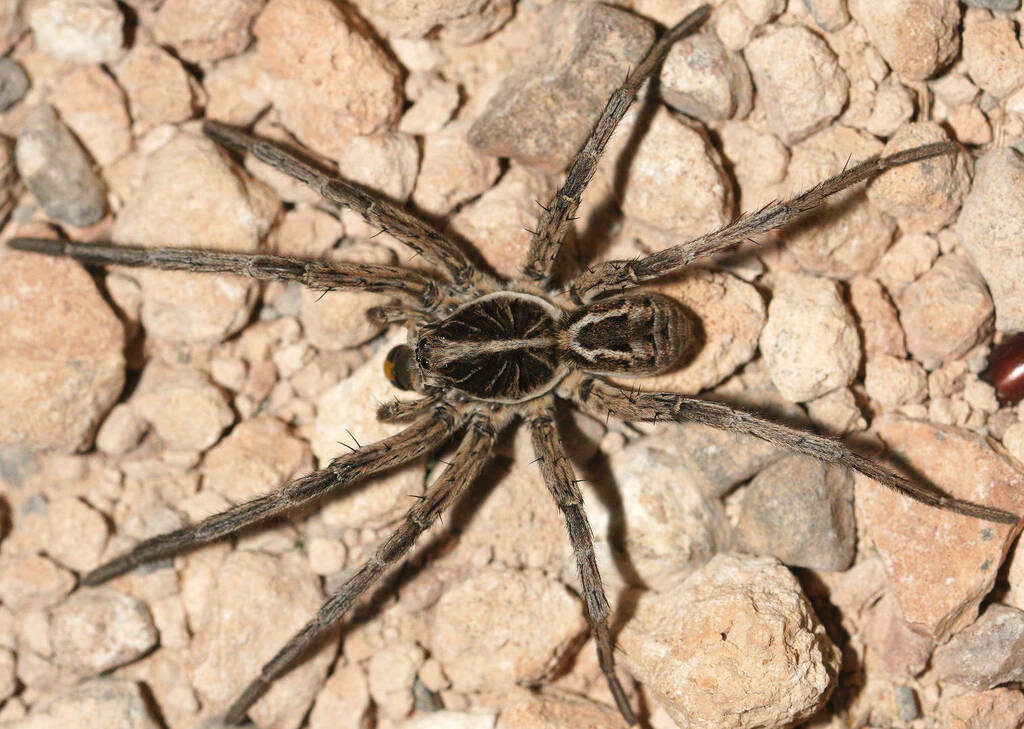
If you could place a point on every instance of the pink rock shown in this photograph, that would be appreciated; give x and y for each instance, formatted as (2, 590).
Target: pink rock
(62, 362)
(329, 80)
(992, 53)
(228, 211)
(97, 704)
(1001, 708)
(876, 317)
(185, 410)
(31, 582)
(940, 564)
(554, 710)
(93, 107)
(159, 89)
(207, 30)
(703, 79)
(452, 170)
(456, 21)
(344, 700)
(916, 37)
(236, 87)
(98, 629)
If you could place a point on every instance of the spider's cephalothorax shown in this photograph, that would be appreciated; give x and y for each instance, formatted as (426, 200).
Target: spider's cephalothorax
(497, 353)
(509, 347)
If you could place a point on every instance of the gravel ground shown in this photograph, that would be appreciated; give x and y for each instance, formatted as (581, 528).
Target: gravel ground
(751, 587)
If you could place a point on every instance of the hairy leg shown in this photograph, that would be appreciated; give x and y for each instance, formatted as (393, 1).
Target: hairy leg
(471, 456)
(554, 223)
(414, 287)
(423, 436)
(620, 275)
(558, 475)
(596, 396)
(411, 231)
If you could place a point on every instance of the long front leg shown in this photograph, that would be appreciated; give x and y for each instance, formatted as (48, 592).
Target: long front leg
(619, 275)
(554, 223)
(559, 477)
(409, 285)
(423, 436)
(596, 396)
(420, 237)
(471, 456)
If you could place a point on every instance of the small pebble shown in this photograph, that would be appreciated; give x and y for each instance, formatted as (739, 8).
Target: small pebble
(993, 56)
(185, 410)
(120, 431)
(344, 700)
(159, 89)
(989, 229)
(79, 32)
(391, 673)
(916, 37)
(988, 653)
(739, 624)
(452, 171)
(798, 79)
(945, 312)
(32, 582)
(101, 703)
(98, 628)
(58, 171)
(207, 30)
(14, 83)
(893, 381)
(810, 341)
(548, 102)
(830, 15)
(800, 510)
(703, 79)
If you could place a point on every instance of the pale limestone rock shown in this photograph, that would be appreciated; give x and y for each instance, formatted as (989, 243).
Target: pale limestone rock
(452, 170)
(237, 89)
(258, 456)
(916, 37)
(810, 341)
(664, 523)
(845, 236)
(344, 700)
(758, 159)
(8, 674)
(159, 89)
(385, 163)
(242, 611)
(206, 30)
(761, 11)
(925, 196)
(306, 232)
(63, 364)
(98, 629)
(329, 80)
(101, 703)
(351, 407)
(165, 676)
(390, 676)
(993, 56)
(498, 223)
(326, 556)
(499, 628)
(894, 106)
(93, 107)
(945, 312)
(735, 645)
(939, 588)
(121, 431)
(703, 79)
(830, 15)
(184, 409)
(893, 381)
(434, 103)
(672, 162)
(32, 582)
(890, 642)
(970, 125)
(907, 259)
(989, 229)
(798, 80)
(836, 412)
(228, 211)
(89, 31)
(76, 533)
(547, 105)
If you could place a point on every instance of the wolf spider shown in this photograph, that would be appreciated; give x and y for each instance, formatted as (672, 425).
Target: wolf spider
(483, 352)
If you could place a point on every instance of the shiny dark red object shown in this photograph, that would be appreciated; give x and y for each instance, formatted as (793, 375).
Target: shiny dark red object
(1005, 370)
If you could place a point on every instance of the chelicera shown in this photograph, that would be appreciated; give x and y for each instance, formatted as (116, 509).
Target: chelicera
(483, 353)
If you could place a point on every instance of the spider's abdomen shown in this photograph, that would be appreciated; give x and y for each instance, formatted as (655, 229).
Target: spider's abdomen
(634, 334)
(501, 347)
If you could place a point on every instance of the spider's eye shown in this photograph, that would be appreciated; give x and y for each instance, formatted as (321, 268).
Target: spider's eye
(400, 369)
